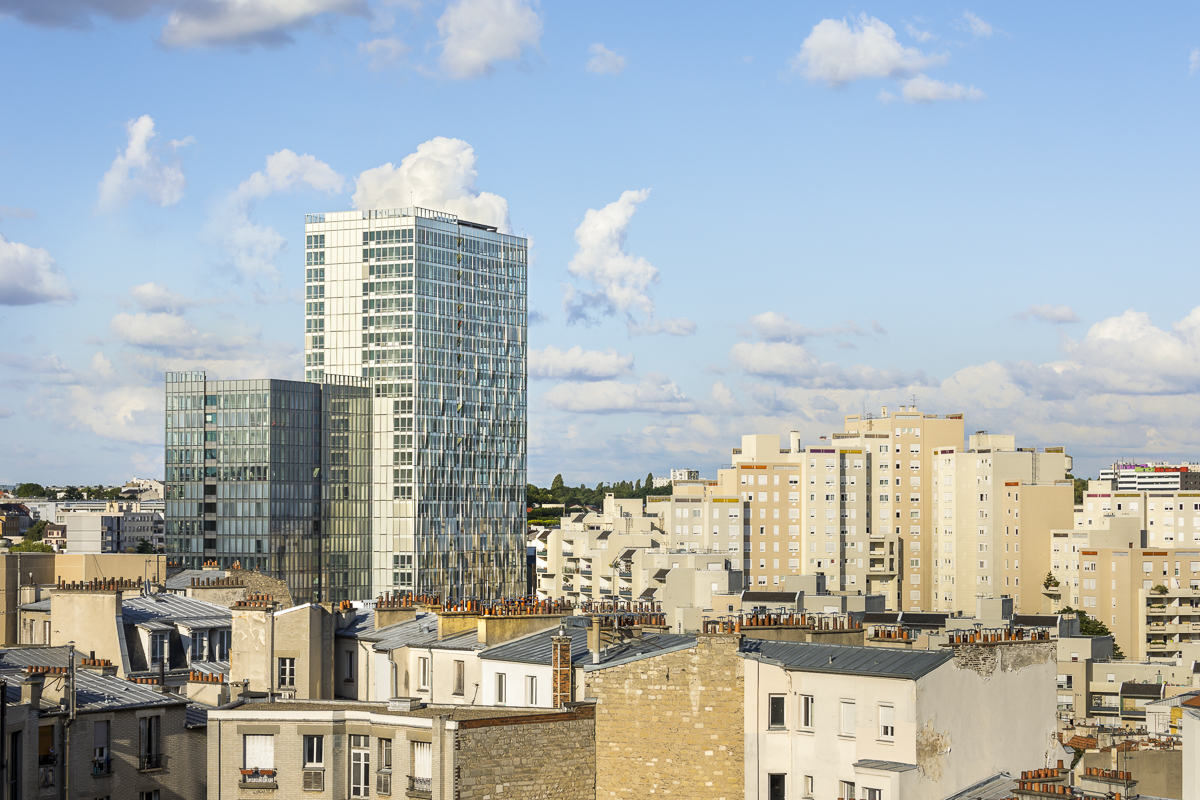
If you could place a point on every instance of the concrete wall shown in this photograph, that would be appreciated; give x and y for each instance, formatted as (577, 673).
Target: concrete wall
(92, 620)
(1191, 755)
(969, 727)
(528, 760)
(672, 724)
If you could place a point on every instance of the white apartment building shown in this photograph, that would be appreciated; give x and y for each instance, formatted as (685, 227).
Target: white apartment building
(1152, 476)
(864, 722)
(432, 309)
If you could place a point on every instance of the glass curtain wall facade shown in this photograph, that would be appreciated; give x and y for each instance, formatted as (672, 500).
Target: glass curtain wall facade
(432, 310)
(272, 474)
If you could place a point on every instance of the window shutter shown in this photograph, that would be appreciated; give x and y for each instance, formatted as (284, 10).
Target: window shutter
(422, 760)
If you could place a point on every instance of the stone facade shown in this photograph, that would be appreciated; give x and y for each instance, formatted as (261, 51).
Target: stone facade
(528, 758)
(672, 724)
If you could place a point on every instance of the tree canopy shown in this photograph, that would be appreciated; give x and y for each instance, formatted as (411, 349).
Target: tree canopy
(29, 546)
(30, 490)
(560, 492)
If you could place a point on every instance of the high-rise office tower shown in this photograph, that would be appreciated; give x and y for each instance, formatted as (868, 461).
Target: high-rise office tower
(274, 475)
(431, 309)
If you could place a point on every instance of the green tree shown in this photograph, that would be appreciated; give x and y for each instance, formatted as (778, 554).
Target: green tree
(1091, 626)
(1080, 487)
(36, 531)
(31, 490)
(556, 485)
(144, 546)
(28, 546)
(72, 493)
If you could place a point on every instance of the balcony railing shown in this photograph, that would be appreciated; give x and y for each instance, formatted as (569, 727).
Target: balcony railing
(101, 767)
(259, 775)
(46, 776)
(150, 761)
(420, 784)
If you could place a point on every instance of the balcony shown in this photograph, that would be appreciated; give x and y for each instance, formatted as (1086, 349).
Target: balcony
(1103, 711)
(150, 761)
(101, 767)
(259, 778)
(420, 787)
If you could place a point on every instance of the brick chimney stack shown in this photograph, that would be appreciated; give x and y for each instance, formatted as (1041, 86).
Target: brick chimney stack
(560, 664)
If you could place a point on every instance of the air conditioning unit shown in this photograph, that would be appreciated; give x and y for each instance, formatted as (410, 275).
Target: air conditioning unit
(287, 695)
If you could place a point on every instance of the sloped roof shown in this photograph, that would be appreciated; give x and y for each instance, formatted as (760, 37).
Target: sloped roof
(362, 626)
(419, 632)
(769, 597)
(40, 605)
(1134, 689)
(847, 659)
(20, 657)
(182, 580)
(536, 648)
(169, 607)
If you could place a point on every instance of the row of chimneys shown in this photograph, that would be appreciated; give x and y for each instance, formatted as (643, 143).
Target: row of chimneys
(203, 583)
(1000, 635)
(407, 600)
(611, 606)
(1114, 774)
(98, 584)
(1049, 772)
(261, 600)
(818, 622)
(205, 677)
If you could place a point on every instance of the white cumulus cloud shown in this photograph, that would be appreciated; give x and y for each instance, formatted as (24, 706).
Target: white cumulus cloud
(476, 34)
(29, 275)
(604, 61)
(252, 248)
(440, 175)
(654, 393)
(923, 89)
(382, 53)
(918, 34)
(156, 297)
(140, 169)
(792, 364)
(839, 51)
(977, 26)
(577, 364)
(1050, 313)
(772, 326)
(238, 22)
(619, 280)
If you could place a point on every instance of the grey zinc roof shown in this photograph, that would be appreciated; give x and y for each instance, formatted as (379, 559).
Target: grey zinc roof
(20, 657)
(889, 766)
(95, 692)
(536, 648)
(182, 580)
(363, 625)
(467, 640)
(847, 659)
(144, 608)
(419, 632)
(196, 716)
(769, 597)
(40, 605)
(997, 787)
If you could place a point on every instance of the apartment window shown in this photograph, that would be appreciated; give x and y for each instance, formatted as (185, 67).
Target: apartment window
(219, 640)
(530, 690)
(806, 710)
(423, 673)
(287, 673)
(150, 743)
(153, 794)
(101, 763)
(158, 647)
(847, 728)
(501, 687)
(383, 779)
(887, 723)
(846, 789)
(349, 662)
(460, 678)
(199, 645)
(776, 718)
(421, 779)
(872, 794)
(776, 786)
(314, 751)
(360, 766)
(258, 758)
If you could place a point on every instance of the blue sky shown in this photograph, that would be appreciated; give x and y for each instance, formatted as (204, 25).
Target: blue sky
(797, 210)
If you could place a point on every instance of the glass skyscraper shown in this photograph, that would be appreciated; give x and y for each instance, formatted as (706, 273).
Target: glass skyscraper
(431, 310)
(272, 474)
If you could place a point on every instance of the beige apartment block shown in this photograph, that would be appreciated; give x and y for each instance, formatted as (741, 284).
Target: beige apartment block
(991, 502)
(1148, 597)
(1170, 518)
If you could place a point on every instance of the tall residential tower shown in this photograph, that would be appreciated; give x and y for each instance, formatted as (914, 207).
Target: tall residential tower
(431, 309)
